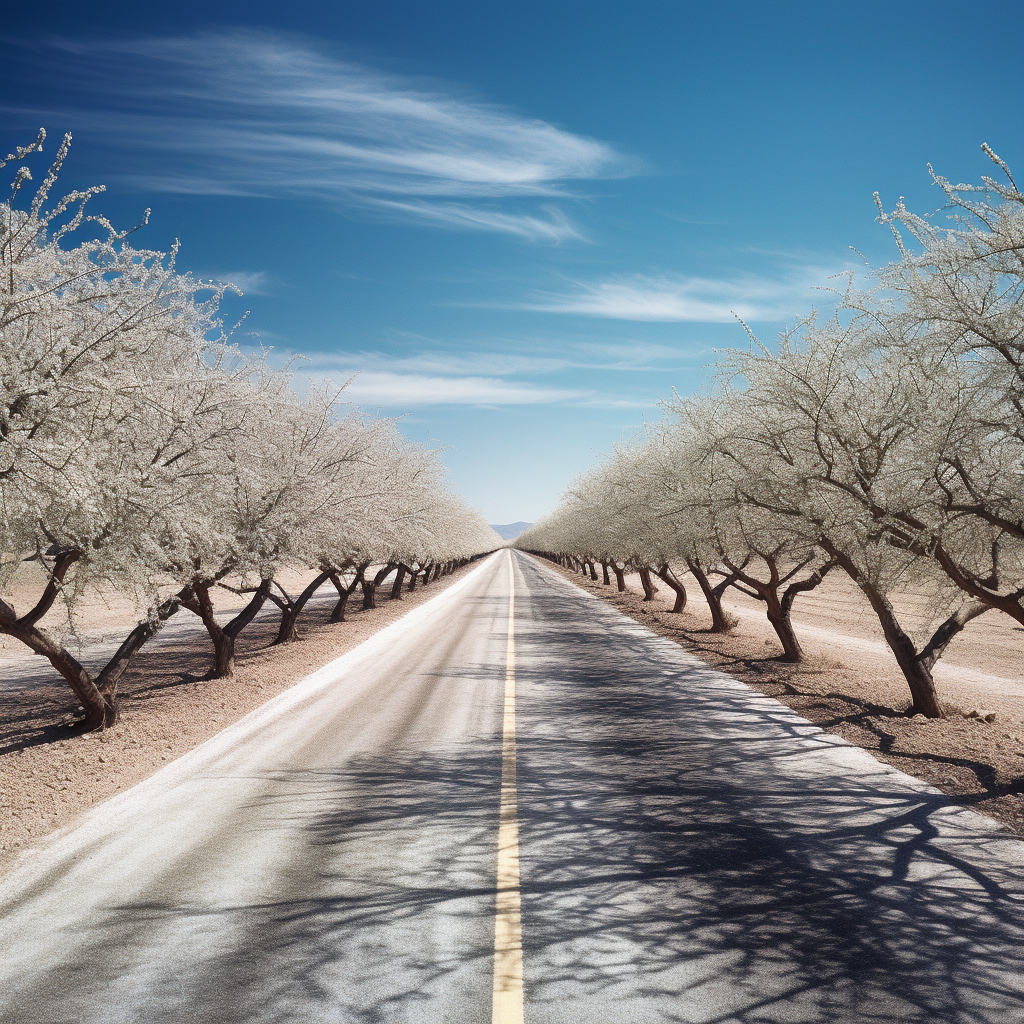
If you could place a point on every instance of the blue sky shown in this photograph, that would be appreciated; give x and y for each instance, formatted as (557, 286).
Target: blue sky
(522, 224)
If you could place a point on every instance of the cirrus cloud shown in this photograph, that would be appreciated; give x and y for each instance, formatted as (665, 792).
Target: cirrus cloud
(680, 298)
(382, 387)
(265, 114)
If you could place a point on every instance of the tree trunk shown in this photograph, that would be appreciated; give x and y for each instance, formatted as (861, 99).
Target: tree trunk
(666, 574)
(396, 588)
(620, 577)
(916, 672)
(223, 652)
(223, 656)
(288, 630)
(98, 696)
(345, 592)
(99, 713)
(647, 583)
(370, 586)
(719, 623)
(224, 638)
(606, 579)
(781, 622)
(593, 571)
(338, 612)
(916, 668)
(108, 679)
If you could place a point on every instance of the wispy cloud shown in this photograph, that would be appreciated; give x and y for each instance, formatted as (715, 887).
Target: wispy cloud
(249, 282)
(433, 379)
(555, 227)
(250, 113)
(383, 387)
(688, 298)
(511, 357)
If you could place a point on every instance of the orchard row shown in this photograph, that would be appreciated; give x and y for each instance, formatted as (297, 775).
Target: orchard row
(142, 452)
(885, 441)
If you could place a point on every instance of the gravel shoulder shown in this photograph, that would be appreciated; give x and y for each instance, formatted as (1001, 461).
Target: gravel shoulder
(850, 684)
(49, 776)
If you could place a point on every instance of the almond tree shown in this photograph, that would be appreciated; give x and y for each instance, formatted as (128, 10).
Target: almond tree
(106, 417)
(283, 471)
(389, 511)
(955, 311)
(752, 551)
(830, 431)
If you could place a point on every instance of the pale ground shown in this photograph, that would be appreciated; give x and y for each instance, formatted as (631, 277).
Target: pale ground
(851, 685)
(50, 776)
(987, 658)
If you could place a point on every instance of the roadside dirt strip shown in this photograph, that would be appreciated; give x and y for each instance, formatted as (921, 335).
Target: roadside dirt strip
(688, 850)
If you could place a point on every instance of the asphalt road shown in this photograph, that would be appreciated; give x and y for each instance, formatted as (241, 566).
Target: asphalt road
(688, 850)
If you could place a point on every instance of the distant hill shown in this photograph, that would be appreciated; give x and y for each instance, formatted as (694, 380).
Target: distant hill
(510, 530)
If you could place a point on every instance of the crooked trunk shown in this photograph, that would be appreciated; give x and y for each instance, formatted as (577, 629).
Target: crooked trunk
(99, 712)
(647, 583)
(666, 574)
(782, 624)
(396, 587)
(109, 678)
(224, 639)
(606, 579)
(916, 668)
(288, 630)
(916, 671)
(370, 586)
(338, 612)
(223, 656)
(345, 592)
(620, 578)
(719, 623)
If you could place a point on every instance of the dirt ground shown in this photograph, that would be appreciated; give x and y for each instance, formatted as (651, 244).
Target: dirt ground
(850, 684)
(49, 776)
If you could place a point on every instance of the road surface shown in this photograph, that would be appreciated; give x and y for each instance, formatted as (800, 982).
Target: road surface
(673, 847)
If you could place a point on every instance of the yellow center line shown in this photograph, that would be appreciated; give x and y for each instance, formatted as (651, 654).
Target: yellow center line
(507, 1006)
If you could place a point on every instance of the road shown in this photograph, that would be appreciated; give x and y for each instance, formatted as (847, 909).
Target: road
(675, 848)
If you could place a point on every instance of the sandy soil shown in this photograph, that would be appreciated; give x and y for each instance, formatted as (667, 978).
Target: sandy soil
(850, 684)
(49, 776)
